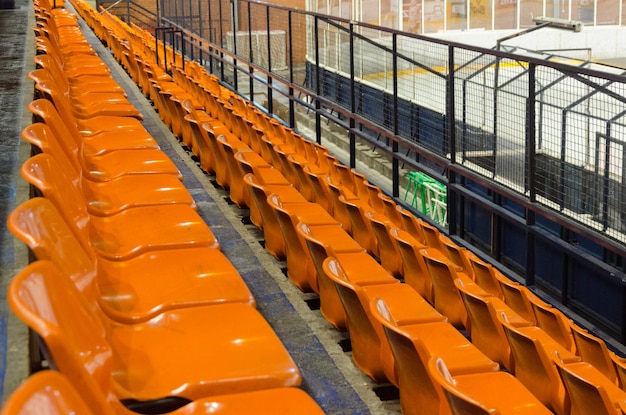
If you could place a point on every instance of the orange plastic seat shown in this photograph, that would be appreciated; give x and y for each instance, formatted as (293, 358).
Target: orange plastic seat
(46, 392)
(339, 211)
(260, 185)
(97, 143)
(485, 276)
(189, 353)
(51, 392)
(589, 391)
(320, 188)
(593, 350)
(432, 236)
(78, 85)
(533, 351)
(415, 271)
(300, 268)
(370, 349)
(553, 321)
(388, 251)
(517, 297)
(411, 224)
(413, 345)
(109, 165)
(484, 393)
(459, 256)
(109, 198)
(130, 232)
(390, 209)
(274, 240)
(80, 98)
(447, 299)
(84, 110)
(485, 329)
(323, 241)
(134, 290)
(361, 228)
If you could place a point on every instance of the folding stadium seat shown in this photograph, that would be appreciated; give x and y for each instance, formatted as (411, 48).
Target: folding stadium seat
(533, 352)
(266, 182)
(87, 109)
(95, 144)
(485, 329)
(360, 226)
(484, 393)
(189, 353)
(339, 210)
(589, 392)
(127, 234)
(390, 209)
(485, 277)
(554, 322)
(415, 271)
(447, 299)
(373, 196)
(323, 241)
(432, 236)
(134, 290)
(388, 252)
(109, 198)
(81, 84)
(459, 256)
(370, 349)
(91, 125)
(273, 235)
(319, 187)
(109, 165)
(46, 392)
(593, 350)
(517, 297)
(411, 224)
(300, 268)
(413, 345)
(81, 98)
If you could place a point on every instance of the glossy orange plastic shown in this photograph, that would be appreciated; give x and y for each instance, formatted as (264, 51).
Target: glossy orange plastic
(412, 347)
(485, 276)
(191, 353)
(533, 351)
(485, 329)
(323, 241)
(593, 350)
(388, 251)
(443, 273)
(46, 392)
(589, 391)
(415, 272)
(361, 228)
(517, 297)
(52, 393)
(109, 198)
(126, 234)
(134, 290)
(274, 240)
(484, 393)
(94, 144)
(554, 322)
(370, 349)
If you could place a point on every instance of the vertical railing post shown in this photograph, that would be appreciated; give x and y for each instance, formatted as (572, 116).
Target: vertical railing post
(318, 119)
(395, 165)
(292, 109)
(351, 136)
(451, 118)
(270, 91)
(531, 172)
(234, 17)
(221, 40)
(251, 52)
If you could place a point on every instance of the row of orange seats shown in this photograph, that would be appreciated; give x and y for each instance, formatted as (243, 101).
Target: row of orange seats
(327, 219)
(138, 308)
